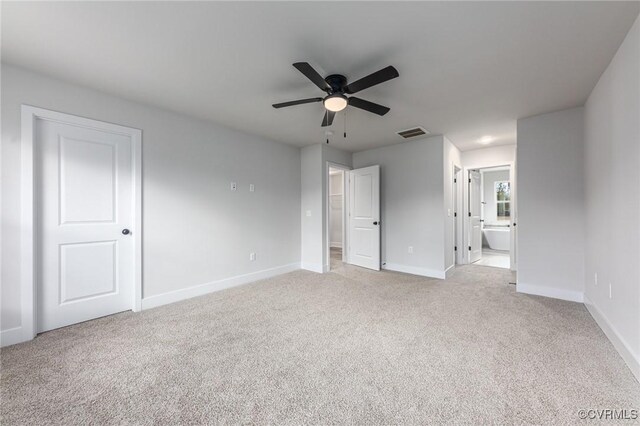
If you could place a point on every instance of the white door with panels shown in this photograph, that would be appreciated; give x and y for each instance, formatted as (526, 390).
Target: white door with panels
(475, 216)
(364, 217)
(85, 204)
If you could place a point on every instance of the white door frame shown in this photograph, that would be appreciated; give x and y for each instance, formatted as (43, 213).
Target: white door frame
(458, 240)
(345, 213)
(28, 206)
(514, 207)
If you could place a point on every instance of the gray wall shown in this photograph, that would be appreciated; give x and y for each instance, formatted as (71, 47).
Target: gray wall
(612, 179)
(311, 207)
(489, 157)
(551, 205)
(314, 206)
(411, 204)
(195, 229)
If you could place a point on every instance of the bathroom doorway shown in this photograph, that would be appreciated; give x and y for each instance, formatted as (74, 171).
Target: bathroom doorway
(490, 210)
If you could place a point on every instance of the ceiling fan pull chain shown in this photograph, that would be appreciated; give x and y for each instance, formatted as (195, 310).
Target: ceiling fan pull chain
(326, 115)
(326, 120)
(345, 123)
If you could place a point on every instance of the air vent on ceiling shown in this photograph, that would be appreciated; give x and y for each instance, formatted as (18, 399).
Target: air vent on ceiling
(413, 132)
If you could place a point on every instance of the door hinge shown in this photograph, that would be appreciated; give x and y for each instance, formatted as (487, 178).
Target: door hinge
(455, 180)
(469, 180)
(455, 214)
(469, 214)
(455, 248)
(469, 248)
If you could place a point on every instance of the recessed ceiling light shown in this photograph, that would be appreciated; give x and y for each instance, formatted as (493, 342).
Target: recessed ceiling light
(485, 140)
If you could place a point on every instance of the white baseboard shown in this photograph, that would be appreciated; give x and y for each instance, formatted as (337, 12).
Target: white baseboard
(313, 267)
(423, 272)
(12, 336)
(335, 245)
(627, 354)
(202, 289)
(449, 271)
(555, 293)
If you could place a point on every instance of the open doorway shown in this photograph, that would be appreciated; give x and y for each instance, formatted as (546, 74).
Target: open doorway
(336, 230)
(490, 213)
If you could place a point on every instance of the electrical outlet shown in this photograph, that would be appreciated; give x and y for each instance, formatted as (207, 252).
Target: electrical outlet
(410, 249)
(610, 296)
(252, 187)
(252, 256)
(308, 213)
(234, 186)
(595, 278)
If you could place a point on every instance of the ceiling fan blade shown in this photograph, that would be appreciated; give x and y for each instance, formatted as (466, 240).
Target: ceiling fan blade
(298, 102)
(327, 120)
(312, 75)
(368, 106)
(372, 79)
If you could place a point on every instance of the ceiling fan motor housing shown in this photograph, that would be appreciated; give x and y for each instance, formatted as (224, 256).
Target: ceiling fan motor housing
(337, 83)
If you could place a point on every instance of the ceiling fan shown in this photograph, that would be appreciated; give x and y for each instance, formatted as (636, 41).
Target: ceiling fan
(337, 88)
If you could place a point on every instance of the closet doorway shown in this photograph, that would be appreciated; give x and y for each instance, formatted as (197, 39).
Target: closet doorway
(337, 217)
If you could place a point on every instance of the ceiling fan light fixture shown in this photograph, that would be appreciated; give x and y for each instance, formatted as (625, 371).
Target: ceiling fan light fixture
(336, 102)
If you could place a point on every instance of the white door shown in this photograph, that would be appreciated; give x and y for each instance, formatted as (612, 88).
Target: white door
(475, 215)
(85, 217)
(364, 217)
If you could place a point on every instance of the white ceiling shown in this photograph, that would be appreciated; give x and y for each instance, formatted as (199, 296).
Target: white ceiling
(467, 69)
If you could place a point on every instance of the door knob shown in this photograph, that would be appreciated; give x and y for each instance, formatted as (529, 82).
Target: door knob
(375, 223)
(125, 231)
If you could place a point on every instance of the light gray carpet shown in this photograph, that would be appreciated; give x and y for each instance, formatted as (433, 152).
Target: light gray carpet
(351, 346)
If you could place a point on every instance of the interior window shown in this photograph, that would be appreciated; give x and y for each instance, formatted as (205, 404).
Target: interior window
(503, 200)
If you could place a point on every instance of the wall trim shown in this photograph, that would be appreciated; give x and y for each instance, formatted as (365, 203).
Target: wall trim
(12, 336)
(313, 267)
(414, 270)
(554, 293)
(632, 360)
(213, 286)
(449, 271)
